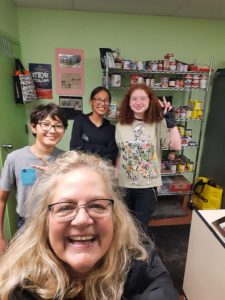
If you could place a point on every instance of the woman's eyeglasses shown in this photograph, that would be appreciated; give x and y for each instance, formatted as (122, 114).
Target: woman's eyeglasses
(46, 126)
(66, 211)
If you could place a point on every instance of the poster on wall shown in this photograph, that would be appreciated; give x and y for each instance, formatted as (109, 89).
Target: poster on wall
(70, 71)
(72, 106)
(42, 77)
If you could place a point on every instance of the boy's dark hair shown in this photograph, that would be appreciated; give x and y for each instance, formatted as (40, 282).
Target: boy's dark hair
(52, 110)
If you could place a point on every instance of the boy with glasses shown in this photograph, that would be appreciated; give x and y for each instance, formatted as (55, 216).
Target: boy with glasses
(24, 166)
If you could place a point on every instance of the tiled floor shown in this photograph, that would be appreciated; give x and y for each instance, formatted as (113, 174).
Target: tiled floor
(171, 243)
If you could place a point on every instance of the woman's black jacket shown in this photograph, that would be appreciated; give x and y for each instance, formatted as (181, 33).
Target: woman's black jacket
(145, 281)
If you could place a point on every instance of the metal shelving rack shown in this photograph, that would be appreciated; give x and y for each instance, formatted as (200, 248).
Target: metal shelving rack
(107, 72)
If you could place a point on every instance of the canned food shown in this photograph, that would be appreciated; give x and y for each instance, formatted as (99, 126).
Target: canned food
(154, 66)
(188, 113)
(173, 168)
(196, 104)
(192, 144)
(164, 81)
(148, 65)
(126, 64)
(171, 82)
(115, 80)
(195, 81)
(190, 166)
(184, 141)
(147, 81)
(140, 65)
(171, 155)
(181, 167)
(179, 83)
(140, 79)
(118, 64)
(160, 65)
(199, 114)
(179, 67)
(152, 81)
(177, 112)
(188, 80)
(188, 133)
(133, 65)
(203, 82)
(166, 65)
(194, 114)
(133, 79)
(182, 112)
(169, 56)
(172, 66)
(182, 67)
(181, 129)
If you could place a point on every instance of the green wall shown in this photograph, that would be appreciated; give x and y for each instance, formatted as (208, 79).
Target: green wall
(39, 32)
(138, 37)
(12, 117)
(8, 18)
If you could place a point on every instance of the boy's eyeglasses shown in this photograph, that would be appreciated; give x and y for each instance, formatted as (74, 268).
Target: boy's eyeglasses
(46, 126)
(67, 211)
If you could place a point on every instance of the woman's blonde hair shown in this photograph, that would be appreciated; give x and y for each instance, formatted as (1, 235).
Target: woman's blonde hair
(30, 263)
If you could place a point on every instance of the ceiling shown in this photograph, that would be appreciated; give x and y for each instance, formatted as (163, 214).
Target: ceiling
(206, 9)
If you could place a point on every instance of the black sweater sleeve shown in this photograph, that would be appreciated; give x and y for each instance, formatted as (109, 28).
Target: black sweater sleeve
(149, 281)
(111, 150)
(76, 141)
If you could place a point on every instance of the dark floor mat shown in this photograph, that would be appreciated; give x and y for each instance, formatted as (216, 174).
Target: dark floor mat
(172, 243)
(169, 207)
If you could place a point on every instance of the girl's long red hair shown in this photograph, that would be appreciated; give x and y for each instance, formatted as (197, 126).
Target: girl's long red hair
(154, 112)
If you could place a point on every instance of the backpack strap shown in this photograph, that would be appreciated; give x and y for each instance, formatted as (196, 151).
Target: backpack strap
(200, 185)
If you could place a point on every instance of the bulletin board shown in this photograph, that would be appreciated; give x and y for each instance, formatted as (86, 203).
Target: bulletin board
(70, 71)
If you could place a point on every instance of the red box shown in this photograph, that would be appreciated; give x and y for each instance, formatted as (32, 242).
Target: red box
(179, 184)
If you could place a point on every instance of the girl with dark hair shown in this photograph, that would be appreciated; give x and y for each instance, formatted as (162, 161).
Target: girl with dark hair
(93, 133)
(146, 124)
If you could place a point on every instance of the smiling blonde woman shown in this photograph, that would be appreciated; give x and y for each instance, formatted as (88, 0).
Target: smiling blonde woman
(80, 241)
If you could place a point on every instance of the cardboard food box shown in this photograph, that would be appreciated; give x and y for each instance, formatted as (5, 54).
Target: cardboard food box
(166, 182)
(179, 184)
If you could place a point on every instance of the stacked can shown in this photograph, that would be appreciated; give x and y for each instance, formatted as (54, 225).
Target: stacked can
(203, 81)
(183, 112)
(197, 109)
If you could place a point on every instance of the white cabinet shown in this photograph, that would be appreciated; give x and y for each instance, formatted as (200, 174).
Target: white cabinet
(204, 277)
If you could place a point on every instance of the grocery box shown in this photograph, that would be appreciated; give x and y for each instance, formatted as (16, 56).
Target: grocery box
(166, 182)
(179, 184)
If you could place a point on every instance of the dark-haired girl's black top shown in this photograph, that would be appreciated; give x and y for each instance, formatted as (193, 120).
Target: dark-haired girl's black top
(87, 137)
